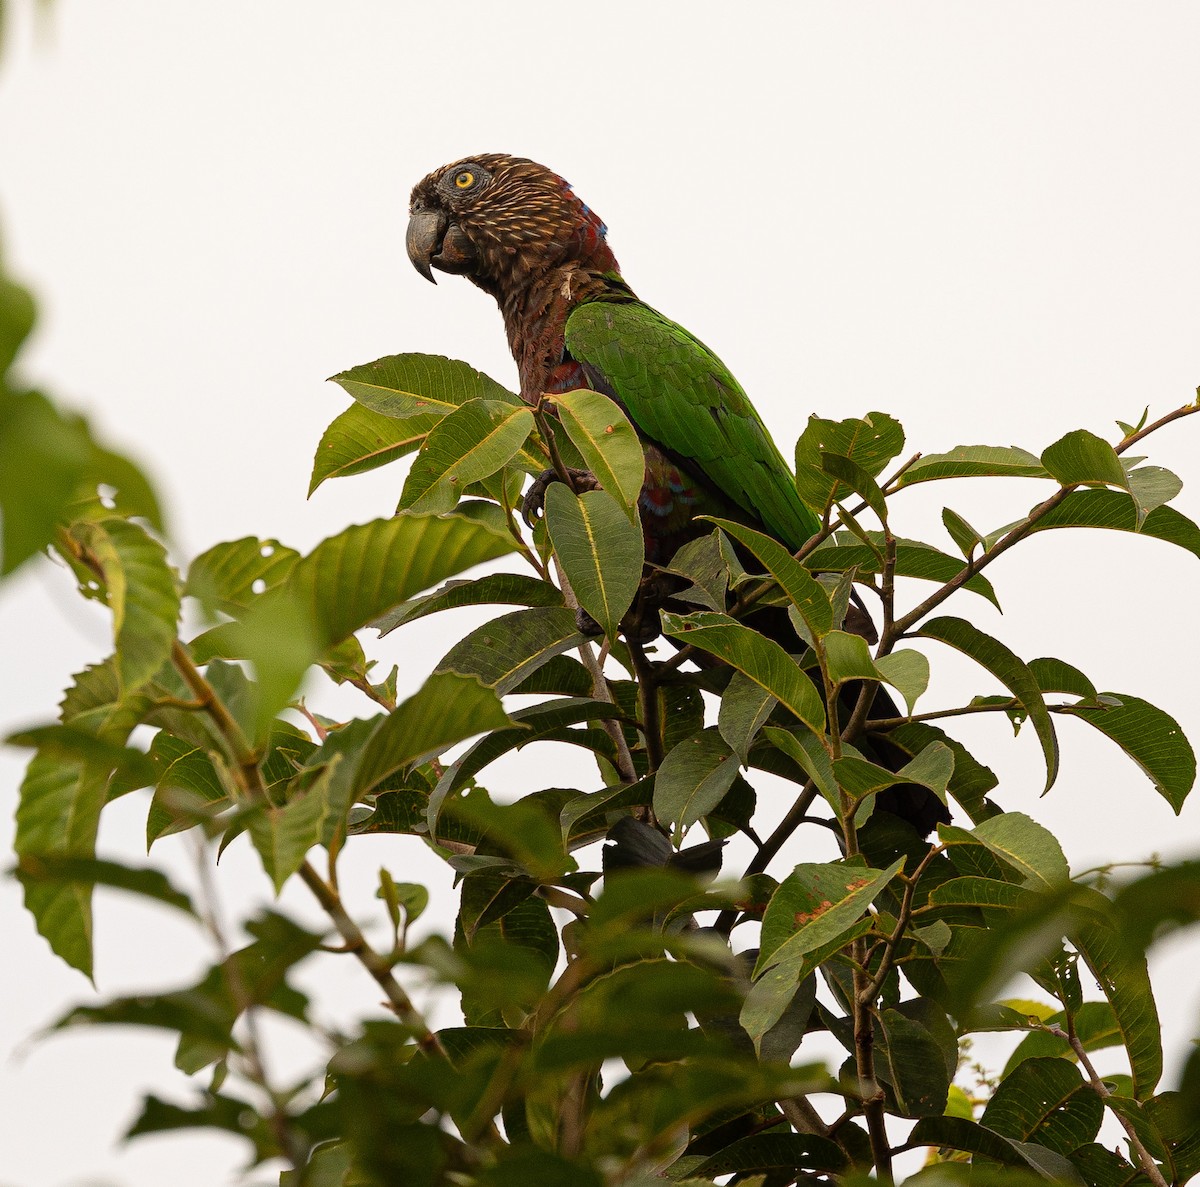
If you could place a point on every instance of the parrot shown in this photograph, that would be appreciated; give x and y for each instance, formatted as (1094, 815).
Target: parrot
(519, 232)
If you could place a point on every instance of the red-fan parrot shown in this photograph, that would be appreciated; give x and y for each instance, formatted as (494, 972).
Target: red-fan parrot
(519, 231)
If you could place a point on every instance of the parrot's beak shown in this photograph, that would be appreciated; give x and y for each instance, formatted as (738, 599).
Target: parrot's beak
(434, 241)
(426, 229)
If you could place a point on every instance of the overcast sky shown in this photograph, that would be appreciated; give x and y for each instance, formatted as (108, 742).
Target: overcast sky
(980, 218)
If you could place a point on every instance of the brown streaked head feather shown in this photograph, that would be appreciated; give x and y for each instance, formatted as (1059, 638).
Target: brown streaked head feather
(503, 221)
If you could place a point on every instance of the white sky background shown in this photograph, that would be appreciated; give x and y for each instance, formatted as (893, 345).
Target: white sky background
(979, 218)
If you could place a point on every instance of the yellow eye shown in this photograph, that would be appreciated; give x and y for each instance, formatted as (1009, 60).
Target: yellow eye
(465, 179)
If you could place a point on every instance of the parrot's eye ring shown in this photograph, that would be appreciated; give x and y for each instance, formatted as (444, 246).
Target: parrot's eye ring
(464, 179)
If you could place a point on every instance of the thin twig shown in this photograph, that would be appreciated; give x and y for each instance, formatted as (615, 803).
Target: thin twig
(871, 991)
(1101, 1090)
(600, 689)
(253, 1063)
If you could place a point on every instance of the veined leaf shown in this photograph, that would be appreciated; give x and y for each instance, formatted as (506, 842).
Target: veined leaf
(607, 442)
(1116, 510)
(1028, 847)
(975, 461)
(870, 443)
(406, 385)
(803, 590)
(745, 707)
(693, 779)
(503, 652)
(446, 709)
(1150, 737)
(601, 551)
(961, 532)
(515, 589)
(234, 574)
(856, 479)
(362, 439)
(59, 813)
(141, 593)
(761, 659)
(815, 903)
(470, 444)
(351, 579)
(913, 559)
(283, 836)
(1009, 669)
(907, 672)
(1081, 457)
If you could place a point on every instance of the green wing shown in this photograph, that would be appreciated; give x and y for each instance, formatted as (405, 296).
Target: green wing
(682, 397)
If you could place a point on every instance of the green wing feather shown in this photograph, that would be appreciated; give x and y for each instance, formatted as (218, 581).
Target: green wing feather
(682, 397)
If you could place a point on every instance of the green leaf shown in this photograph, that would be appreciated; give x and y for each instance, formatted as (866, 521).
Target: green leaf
(1048, 1102)
(1055, 675)
(233, 575)
(1116, 510)
(803, 590)
(807, 749)
(775, 989)
(216, 1112)
(907, 672)
(472, 443)
(815, 903)
(1124, 980)
(913, 559)
(1011, 671)
(910, 1064)
(362, 439)
(961, 532)
(761, 659)
(848, 657)
(1028, 847)
(956, 1133)
(745, 707)
(1150, 737)
(141, 593)
(503, 652)
(59, 813)
(514, 589)
(18, 314)
(283, 836)
(407, 385)
(975, 461)
(44, 457)
(527, 831)
(774, 1151)
(351, 579)
(853, 476)
(693, 779)
(1082, 457)
(870, 443)
(1151, 487)
(606, 441)
(601, 551)
(705, 564)
(447, 708)
(60, 869)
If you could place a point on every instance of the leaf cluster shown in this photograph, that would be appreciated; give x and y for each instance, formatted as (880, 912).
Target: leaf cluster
(628, 1010)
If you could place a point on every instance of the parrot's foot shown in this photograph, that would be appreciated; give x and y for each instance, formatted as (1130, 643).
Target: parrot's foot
(585, 624)
(535, 497)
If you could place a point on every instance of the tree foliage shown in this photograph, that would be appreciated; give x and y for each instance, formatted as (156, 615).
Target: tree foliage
(615, 1026)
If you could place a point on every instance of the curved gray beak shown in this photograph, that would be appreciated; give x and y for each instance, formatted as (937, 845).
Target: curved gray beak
(423, 240)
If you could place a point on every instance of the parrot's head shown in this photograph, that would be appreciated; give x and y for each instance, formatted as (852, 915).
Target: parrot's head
(502, 221)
